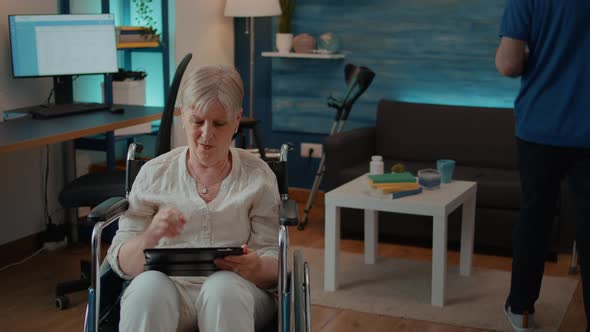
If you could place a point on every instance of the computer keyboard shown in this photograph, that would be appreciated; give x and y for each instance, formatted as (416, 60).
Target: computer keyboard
(53, 111)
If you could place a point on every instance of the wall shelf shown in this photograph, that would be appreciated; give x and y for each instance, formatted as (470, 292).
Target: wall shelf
(332, 56)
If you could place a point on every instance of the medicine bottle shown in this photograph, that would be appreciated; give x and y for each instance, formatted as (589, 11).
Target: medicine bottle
(376, 165)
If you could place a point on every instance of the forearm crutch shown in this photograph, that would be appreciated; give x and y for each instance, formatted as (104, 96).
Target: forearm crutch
(358, 80)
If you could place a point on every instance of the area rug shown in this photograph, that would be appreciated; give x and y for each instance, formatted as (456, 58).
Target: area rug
(401, 288)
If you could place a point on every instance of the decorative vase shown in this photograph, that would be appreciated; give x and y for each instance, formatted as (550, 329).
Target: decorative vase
(328, 43)
(303, 43)
(284, 42)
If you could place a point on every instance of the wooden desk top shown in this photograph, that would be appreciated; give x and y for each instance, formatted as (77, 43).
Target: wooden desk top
(26, 132)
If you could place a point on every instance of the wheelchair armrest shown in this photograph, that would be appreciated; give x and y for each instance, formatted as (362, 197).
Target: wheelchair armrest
(109, 209)
(289, 213)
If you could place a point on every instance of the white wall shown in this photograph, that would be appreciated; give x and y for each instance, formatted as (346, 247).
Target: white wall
(21, 194)
(201, 29)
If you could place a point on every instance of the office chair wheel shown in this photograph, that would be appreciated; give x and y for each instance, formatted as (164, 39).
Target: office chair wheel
(62, 302)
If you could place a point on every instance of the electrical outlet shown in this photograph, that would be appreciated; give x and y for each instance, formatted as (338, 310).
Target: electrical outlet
(317, 150)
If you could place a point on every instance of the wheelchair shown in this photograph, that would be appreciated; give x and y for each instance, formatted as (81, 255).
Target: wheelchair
(106, 287)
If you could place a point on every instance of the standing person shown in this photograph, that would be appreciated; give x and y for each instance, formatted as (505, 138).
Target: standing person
(547, 43)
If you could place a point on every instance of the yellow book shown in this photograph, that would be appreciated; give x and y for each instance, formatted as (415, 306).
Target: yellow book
(389, 188)
(138, 44)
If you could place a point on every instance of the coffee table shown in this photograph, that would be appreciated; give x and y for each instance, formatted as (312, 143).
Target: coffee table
(437, 203)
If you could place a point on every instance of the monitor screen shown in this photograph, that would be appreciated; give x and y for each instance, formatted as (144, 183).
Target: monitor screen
(55, 45)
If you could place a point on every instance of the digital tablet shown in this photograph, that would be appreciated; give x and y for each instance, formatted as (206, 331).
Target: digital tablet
(186, 261)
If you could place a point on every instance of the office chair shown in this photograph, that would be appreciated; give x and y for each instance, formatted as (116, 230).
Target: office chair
(106, 287)
(93, 189)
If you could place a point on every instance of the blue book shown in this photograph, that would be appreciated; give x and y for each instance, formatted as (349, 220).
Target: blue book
(405, 193)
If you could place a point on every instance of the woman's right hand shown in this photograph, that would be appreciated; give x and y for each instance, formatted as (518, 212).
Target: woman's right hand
(168, 222)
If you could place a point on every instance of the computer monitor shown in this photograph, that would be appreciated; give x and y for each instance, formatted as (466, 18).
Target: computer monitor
(62, 46)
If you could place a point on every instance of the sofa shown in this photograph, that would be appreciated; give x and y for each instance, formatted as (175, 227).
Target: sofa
(480, 140)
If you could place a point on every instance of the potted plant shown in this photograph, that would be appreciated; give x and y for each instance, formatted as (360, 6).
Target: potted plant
(284, 37)
(144, 17)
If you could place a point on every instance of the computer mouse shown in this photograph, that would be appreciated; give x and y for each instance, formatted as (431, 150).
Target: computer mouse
(117, 110)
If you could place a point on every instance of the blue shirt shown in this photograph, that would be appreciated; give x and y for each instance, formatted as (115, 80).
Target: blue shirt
(553, 105)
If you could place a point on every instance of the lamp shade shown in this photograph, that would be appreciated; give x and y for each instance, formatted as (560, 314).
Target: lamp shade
(252, 8)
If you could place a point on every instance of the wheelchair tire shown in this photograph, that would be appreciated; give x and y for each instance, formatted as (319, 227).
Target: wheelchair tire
(62, 302)
(298, 292)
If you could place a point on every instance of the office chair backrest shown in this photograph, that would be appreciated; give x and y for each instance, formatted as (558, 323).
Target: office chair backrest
(164, 134)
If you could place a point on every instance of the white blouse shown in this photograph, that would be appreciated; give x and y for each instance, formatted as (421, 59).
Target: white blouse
(245, 210)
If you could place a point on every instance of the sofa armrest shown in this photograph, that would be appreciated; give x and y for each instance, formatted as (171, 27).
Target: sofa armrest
(347, 149)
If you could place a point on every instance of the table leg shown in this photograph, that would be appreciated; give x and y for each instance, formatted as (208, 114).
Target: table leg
(110, 145)
(332, 247)
(467, 235)
(371, 235)
(439, 260)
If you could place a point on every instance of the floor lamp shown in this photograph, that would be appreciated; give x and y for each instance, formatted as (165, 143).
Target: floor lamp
(251, 9)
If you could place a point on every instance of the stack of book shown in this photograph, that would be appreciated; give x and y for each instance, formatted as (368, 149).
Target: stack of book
(397, 184)
(131, 36)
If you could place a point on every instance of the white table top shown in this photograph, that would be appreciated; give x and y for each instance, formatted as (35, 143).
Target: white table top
(359, 194)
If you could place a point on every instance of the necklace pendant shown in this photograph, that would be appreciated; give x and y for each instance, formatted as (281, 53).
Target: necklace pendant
(204, 190)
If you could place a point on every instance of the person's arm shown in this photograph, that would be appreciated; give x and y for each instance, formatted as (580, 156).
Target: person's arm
(259, 263)
(140, 228)
(511, 57)
(515, 30)
(263, 271)
(168, 222)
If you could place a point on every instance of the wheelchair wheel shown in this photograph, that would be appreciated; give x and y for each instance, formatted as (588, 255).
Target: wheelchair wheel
(298, 292)
(62, 302)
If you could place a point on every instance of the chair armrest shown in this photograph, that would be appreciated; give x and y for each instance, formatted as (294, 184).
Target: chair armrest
(289, 213)
(109, 209)
(350, 147)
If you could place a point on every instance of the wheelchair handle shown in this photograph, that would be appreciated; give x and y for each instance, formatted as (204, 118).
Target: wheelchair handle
(285, 148)
(133, 147)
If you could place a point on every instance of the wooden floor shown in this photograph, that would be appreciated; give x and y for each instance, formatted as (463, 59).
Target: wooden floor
(27, 290)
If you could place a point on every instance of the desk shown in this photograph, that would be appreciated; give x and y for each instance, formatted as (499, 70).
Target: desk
(26, 132)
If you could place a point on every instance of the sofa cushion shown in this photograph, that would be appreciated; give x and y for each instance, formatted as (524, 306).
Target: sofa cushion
(498, 188)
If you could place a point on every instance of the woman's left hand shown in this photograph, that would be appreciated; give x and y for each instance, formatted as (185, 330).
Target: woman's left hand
(247, 264)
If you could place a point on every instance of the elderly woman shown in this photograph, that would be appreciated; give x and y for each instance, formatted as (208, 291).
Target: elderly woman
(205, 195)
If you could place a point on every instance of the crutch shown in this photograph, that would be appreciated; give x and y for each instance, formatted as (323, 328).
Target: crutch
(358, 80)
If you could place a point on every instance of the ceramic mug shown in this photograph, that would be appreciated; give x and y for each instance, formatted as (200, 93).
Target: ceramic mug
(446, 167)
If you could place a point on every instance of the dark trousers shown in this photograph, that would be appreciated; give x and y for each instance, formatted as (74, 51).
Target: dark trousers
(542, 168)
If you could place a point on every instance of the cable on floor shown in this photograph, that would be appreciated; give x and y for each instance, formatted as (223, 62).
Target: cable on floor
(4, 268)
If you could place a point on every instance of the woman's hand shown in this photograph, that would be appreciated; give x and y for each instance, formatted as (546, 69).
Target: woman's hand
(168, 222)
(247, 265)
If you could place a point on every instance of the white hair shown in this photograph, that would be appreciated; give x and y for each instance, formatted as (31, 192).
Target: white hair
(210, 84)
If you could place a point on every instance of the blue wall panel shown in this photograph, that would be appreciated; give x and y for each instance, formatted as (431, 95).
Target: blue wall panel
(429, 51)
